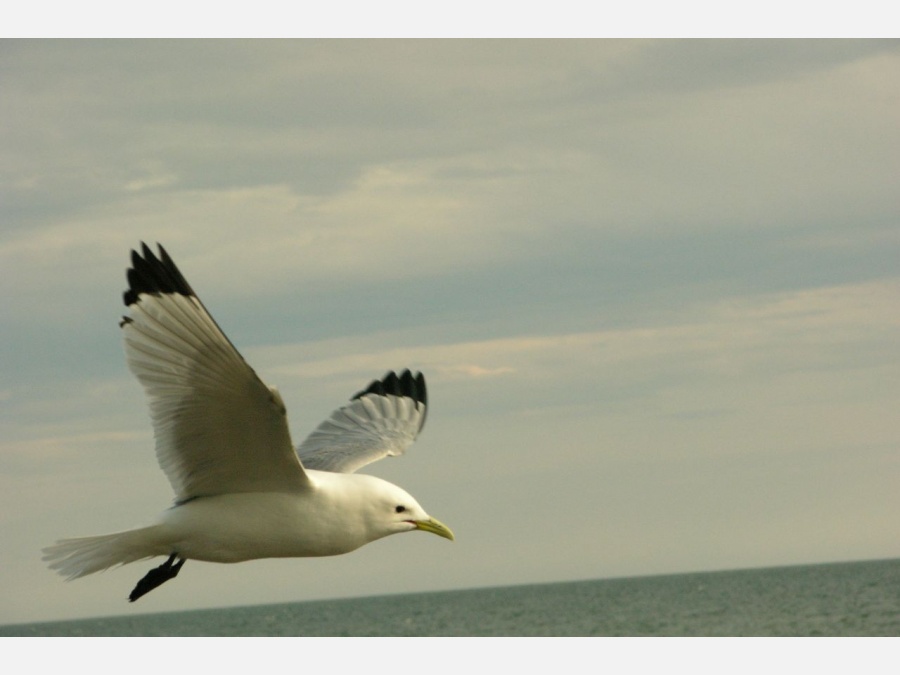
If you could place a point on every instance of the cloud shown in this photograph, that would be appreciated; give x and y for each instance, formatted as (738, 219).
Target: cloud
(473, 371)
(673, 367)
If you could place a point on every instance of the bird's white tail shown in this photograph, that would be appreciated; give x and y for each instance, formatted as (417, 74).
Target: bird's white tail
(74, 558)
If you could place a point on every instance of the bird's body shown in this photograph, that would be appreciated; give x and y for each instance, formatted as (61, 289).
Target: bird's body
(242, 491)
(330, 519)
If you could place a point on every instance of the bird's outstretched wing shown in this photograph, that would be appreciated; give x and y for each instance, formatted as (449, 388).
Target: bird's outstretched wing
(218, 428)
(383, 419)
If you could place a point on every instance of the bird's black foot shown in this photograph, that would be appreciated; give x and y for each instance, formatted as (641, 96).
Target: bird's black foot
(157, 577)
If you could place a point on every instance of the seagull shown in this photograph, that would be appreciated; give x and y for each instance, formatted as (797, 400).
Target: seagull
(242, 491)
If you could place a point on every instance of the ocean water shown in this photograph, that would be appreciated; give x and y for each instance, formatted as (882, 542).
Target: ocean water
(844, 599)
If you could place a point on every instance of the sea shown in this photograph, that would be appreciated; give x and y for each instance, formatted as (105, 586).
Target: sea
(840, 599)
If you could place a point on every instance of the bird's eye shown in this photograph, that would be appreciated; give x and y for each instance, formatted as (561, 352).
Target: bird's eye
(399, 509)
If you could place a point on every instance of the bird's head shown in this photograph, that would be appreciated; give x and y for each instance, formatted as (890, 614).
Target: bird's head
(393, 509)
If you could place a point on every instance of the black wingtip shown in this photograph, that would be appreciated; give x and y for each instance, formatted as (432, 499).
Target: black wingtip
(153, 274)
(407, 384)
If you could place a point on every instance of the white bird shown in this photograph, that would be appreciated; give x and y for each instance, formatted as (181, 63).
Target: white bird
(241, 490)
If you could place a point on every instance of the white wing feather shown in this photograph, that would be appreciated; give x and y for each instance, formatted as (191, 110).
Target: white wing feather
(383, 420)
(218, 428)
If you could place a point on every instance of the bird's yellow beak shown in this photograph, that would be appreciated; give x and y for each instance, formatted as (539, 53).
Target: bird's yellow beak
(435, 526)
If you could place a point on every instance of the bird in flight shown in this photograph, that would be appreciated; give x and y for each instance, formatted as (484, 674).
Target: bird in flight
(242, 491)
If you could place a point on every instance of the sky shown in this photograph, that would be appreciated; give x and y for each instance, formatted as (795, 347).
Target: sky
(654, 287)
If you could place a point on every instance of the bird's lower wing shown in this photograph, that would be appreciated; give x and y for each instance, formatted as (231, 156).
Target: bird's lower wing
(382, 420)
